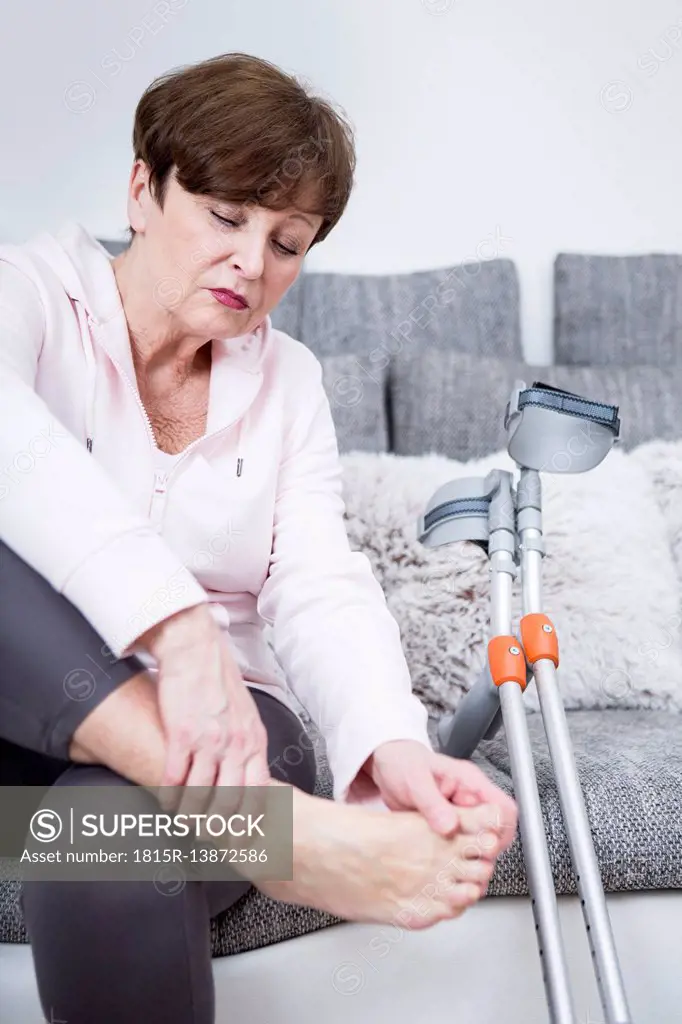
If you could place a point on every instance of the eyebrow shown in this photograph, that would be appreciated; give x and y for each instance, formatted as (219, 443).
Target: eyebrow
(301, 216)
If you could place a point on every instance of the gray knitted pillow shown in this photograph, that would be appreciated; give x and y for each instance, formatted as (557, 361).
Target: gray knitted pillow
(357, 401)
(622, 310)
(452, 403)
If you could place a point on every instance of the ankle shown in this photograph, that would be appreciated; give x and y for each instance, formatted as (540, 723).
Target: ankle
(125, 733)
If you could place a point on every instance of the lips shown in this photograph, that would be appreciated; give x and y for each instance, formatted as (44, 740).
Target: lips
(229, 298)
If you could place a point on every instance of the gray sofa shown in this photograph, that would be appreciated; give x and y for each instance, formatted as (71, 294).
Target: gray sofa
(423, 362)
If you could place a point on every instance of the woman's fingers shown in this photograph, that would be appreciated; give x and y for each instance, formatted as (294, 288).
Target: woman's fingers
(256, 781)
(257, 770)
(466, 776)
(465, 784)
(197, 792)
(178, 760)
(215, 737)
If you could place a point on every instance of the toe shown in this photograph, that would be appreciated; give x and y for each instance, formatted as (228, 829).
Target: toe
(485, 817)
(462, 896)
(502, 820)
(477, 871)
(485, 845)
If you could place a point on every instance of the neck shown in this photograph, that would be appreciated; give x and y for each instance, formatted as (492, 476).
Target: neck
(160, 350)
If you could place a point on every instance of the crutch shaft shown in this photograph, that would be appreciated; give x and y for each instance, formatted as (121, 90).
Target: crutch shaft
(571, 799)
(536, 857)
(592, 898)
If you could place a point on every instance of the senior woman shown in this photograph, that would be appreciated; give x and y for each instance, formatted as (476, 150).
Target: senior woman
(172, 483)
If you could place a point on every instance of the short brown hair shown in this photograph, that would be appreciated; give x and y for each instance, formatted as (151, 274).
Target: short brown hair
(239, 129)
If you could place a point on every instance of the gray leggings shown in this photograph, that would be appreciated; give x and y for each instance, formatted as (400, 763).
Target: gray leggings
(110, 952)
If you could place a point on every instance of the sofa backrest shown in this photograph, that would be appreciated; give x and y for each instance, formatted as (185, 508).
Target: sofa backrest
(473, 307)
(618, 310)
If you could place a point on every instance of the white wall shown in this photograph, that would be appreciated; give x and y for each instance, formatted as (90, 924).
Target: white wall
(554, 125)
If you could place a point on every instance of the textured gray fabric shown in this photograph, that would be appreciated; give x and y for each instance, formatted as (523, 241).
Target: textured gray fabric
(463, 415)
(286, 316)
(618, 309)
(357, 401)
(113, 247)
(472, 307)
(630, 767)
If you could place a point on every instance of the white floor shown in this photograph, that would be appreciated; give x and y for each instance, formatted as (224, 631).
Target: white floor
(482, 969)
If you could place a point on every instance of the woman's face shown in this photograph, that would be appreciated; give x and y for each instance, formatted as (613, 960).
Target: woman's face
(196, 244)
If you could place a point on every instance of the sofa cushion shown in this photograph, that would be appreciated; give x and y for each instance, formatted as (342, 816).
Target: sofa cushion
(452, 403)
(473, 307)
(357, 401)
(618, 309)
(629, 766)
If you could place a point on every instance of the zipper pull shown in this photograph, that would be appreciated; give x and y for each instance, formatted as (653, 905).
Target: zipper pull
(240, 463)
(158, 497)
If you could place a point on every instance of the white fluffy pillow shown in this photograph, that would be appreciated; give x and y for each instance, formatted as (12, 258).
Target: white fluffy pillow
(662, 462)
(609, 582)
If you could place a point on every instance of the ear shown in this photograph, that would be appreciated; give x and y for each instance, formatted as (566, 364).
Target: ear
(138, 196)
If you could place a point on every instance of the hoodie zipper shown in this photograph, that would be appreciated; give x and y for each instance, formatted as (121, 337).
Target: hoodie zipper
(161, 478)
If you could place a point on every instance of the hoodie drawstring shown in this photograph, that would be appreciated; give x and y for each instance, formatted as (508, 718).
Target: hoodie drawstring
(91, 376)
(240, 430)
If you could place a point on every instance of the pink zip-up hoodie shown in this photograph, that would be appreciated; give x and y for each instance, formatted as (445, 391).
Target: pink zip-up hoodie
(248, 518)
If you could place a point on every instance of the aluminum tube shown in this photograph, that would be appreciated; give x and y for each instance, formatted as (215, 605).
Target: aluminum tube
(531, 825)
(590, 888)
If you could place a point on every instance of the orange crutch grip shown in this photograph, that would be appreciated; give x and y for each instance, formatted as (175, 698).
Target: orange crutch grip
(507, 661)
(539, 638)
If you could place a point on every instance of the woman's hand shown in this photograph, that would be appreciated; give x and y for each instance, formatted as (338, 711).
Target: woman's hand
(409, 776)
(214, 732)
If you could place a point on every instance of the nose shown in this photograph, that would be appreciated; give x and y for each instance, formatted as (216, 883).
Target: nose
(249, 256)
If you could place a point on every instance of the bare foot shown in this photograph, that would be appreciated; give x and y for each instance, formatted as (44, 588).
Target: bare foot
(372, 866)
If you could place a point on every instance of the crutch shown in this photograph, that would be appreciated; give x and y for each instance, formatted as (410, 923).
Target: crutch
(558, 432)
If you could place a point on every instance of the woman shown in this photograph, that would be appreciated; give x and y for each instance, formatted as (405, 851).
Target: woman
(171, 484)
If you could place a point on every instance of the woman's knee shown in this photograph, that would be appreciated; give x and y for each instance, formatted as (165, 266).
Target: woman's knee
(83, 905)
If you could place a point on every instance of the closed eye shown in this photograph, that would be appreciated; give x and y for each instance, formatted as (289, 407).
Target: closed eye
(234, 224)
(224, 220)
